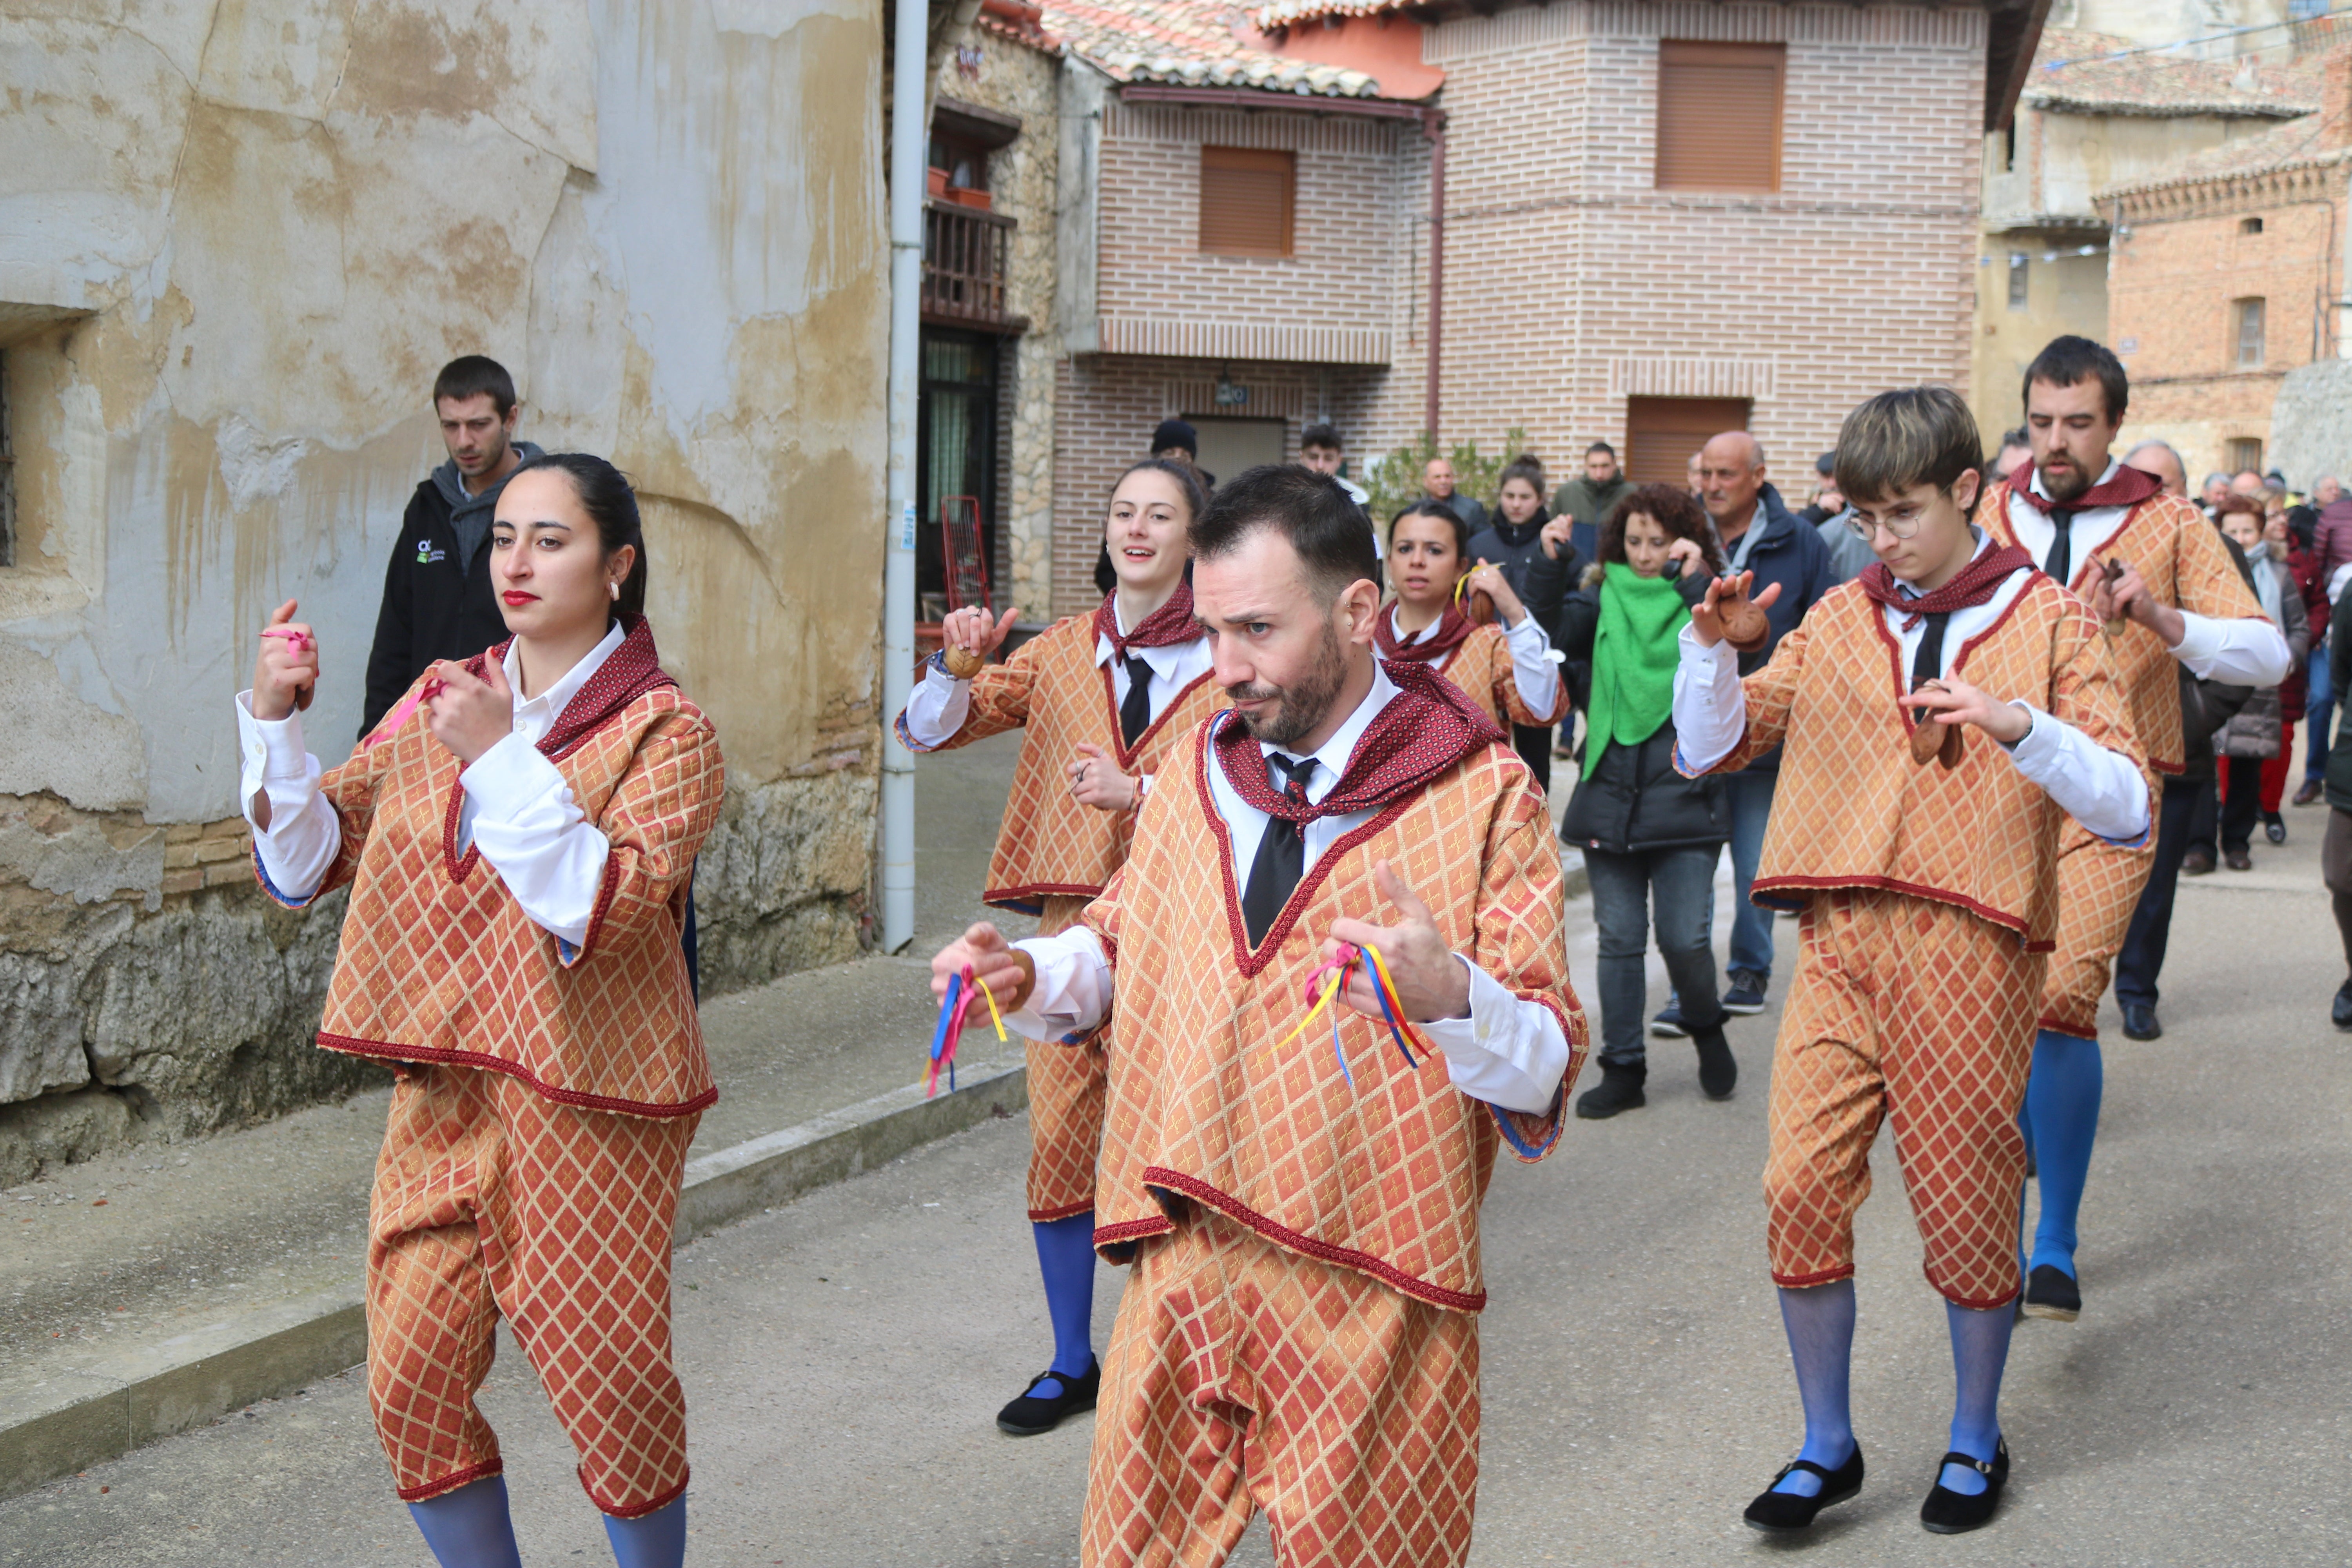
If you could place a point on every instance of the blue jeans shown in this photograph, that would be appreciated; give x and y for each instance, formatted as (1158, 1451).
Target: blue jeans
(1678, 884)
(2318, 707)
(1750, 794)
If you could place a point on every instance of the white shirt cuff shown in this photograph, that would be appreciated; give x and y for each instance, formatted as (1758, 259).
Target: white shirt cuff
(303, 835)
(1710, 705)
(2099, 788)
(1508, 1052)
(936, 708)
(1072, 995)
(526, 826)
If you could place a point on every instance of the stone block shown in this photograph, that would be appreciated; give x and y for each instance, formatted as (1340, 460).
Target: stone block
(59, 1130)
(2311, 423)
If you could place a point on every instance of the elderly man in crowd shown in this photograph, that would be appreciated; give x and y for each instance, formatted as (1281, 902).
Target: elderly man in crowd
(2158, 458)
(2209, 494)
(1437, 488)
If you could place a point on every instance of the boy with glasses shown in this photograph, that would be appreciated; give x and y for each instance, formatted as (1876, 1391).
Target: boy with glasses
(1941, 715)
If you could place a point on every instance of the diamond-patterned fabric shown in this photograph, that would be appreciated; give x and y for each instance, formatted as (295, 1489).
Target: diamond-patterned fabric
(1481, 666)
(438, 963)
(2098, 888)
(2181, 557)
(492, 1200)
(1384, 1176)
(1243, 1377)
(1050, 842)
(1068, 1088)
(1912, 1009)
(1852, 810)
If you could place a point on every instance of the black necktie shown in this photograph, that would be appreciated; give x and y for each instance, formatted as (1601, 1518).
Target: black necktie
(1281, 853)
(1135, 712)
(1927, 663)
(2061, 563)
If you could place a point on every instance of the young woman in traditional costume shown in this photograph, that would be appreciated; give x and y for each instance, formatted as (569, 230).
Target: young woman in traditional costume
(517, 835)
(1105, 698)
(1945, 714)
(1651, 838)
(1505, 666)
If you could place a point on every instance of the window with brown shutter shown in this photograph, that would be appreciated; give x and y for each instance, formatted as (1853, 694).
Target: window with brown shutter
(1662, 434)
(1246, 198)
(1719, 116)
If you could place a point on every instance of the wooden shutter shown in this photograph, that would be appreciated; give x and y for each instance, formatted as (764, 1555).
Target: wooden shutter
(1660, 434)
(1719, 116)
(1246, 198)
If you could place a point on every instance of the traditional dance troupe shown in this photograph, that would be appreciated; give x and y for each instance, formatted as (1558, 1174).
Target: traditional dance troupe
(1299, 969)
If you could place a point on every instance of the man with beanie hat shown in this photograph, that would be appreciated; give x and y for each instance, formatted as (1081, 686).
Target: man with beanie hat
(1177, 441)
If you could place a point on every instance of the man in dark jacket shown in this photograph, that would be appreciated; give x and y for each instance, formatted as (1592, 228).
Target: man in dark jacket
(1531, 548)
(1438, 488)
(1759, 535)
(1587, 502)
(437, 601)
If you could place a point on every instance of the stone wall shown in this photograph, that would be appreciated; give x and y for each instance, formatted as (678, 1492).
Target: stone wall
(235, 243)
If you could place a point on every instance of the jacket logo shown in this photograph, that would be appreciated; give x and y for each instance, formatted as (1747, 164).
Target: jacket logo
(426, 555)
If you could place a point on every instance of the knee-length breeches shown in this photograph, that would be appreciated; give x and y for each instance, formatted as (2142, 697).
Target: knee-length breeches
(1069, 1092)
(491, 1199)
(1243, 1377)
(1923, 1012)
(2098, 888)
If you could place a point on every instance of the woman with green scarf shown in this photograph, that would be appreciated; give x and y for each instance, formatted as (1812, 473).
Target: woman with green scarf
(1649, 834)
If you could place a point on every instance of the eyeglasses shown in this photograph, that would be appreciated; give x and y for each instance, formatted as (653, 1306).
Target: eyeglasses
(1902, 524)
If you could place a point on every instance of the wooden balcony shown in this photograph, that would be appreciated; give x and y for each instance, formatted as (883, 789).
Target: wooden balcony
(967, 260)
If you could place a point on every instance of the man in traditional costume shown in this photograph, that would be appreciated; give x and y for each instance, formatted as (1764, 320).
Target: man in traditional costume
(1105, 699)
(1923, 856)
(1297, 1185)
(2162, 581)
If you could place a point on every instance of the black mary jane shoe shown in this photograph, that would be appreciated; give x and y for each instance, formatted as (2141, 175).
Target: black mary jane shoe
(1033, 1413)
(1948, 1512)
(2050, 1292)
(1785, 1513)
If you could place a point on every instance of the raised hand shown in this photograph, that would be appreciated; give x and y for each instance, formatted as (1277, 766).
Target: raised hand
(1430, 980)
(286, 670)
(1488, 578)
(1556, 535)
(2127, 596)
(1729, 615)
(974, 630)
(1096, 781)
(469, 715)
(1010, 973)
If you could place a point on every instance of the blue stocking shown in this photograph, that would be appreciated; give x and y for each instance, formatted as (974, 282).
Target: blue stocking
(1065, 1257)
(1819, 1323)
(2061, 1118)
(656, 1539)
(1980, 1351)
(469, 1527)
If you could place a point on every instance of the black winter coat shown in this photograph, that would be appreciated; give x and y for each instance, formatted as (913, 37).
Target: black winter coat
(1634, 799)
(433, 607)
(1539, 580)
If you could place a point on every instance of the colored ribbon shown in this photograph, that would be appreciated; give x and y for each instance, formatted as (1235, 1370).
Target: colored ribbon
(401, 714)
(953, 1007)
(299, 642)
(1383, 991)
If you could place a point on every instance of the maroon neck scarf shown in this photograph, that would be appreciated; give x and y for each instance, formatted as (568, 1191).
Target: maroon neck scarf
(2126, 485)
(1166, 626)
(1428, 727)
(1973, 586)
(634, 669)
(1432, 643)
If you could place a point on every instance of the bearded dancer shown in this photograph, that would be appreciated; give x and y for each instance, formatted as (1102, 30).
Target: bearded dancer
(518, 855)
(1301, 1207)
(2178, 603)
(1105, 699)
(1924, 859)
(1506, 665)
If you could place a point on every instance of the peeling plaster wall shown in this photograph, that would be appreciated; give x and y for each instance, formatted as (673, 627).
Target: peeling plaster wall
(238, 237)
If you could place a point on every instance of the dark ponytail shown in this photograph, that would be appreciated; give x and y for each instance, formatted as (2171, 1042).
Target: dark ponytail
(605, 495)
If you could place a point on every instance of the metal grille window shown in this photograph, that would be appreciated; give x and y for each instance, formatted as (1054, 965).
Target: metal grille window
(2249, 314)
(2017, 274)
(1719, 116)
(1247, 199)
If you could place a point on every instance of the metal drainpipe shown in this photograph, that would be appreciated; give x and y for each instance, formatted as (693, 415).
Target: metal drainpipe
(1433, 121)
(908, 122)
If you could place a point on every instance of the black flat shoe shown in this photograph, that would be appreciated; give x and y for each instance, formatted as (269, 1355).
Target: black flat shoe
(2139, 1020)
(1619, 1090)
(2050, 1292)
(1948, 1512)
(2273, 827)
(1719, 1070)
(1782, 1513)
(1032, 1414)
(2339, 1012)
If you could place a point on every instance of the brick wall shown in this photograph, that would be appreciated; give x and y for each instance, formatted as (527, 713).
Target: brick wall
(2171, 283)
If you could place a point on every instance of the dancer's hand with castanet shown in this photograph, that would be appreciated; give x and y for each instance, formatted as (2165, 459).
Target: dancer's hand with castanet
(286, 670)
(1729, 615)
(1430, 980)
(1955, 702)
(2127, 596)
(1009, 974)
(470, 714)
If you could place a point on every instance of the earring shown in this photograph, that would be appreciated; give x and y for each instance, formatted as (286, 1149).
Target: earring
(615, 587)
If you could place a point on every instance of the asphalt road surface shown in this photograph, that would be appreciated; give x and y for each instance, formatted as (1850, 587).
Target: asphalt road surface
(844, 1356)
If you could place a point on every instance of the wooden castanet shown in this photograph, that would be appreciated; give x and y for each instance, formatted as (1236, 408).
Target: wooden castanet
(1745, 627)
(963, 663)
(1932, 740)
(2113, 571)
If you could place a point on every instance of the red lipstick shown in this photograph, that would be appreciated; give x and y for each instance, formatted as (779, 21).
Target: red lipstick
(517, 596)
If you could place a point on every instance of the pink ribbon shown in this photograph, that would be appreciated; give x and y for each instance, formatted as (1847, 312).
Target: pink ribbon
(299, 642)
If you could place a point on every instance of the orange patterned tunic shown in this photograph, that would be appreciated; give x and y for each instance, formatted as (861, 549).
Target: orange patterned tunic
(1208, 1102)
(1482, 667)
(1051, 842)
(438, 963)
(1853, 810)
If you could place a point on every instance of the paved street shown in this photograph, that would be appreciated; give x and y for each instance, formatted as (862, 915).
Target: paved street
(844, 1356)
